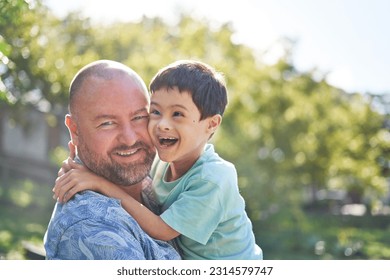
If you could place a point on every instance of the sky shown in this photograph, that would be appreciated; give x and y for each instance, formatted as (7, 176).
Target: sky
(348, 40)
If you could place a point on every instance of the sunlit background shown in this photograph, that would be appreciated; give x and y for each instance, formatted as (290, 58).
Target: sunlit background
(348, 39)
(307, 124)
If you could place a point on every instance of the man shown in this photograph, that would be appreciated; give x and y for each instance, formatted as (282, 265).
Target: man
(107, 122)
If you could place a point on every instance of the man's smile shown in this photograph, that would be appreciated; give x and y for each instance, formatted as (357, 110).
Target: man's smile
(129, 153)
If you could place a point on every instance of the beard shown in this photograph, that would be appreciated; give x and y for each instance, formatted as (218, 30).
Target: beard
(118, 173)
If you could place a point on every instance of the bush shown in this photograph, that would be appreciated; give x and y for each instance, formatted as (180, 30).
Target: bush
(25, 210)
(324, 236)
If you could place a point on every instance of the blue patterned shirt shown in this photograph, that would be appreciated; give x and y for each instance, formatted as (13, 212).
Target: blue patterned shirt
(92, 226)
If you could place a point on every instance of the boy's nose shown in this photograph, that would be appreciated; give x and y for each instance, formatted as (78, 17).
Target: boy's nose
(164, 124)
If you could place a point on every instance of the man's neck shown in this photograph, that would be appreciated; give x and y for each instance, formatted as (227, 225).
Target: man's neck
(135, 191)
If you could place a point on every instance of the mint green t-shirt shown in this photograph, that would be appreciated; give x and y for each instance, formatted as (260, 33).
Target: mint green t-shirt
(206, 208)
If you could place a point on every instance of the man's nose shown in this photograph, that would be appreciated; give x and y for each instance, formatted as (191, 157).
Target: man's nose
(128, 135)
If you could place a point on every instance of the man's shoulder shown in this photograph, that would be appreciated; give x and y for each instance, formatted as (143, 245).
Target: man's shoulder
(87, 205)
(90, 202)
(93, 226)
(84, 217)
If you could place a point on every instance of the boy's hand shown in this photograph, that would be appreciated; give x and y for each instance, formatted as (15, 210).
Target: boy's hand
(77, 179)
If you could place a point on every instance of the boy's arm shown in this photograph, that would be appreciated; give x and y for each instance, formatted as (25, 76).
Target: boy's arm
(151, 223)
(79, 178)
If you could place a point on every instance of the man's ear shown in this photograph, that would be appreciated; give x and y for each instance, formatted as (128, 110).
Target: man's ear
(214, 123)
(73, 130)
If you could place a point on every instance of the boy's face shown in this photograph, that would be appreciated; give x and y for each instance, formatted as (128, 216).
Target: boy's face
(175, 127)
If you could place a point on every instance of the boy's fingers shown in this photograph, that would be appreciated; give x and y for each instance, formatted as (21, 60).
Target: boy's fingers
(66, 166)
(61, 184)
(67, 185)
(61, 172)
(75, 165)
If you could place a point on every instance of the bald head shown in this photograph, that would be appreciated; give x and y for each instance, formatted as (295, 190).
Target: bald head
(104, 70)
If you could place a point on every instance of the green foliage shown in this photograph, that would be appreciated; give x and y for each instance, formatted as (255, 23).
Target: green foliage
(324, 236)
(58, 155)
(289, 132)
(12, 11)
(25, 209)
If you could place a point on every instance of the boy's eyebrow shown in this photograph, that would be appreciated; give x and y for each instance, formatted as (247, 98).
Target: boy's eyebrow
(171, 106)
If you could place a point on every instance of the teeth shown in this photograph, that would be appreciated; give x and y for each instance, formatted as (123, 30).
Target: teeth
(126, 153)
(167, 138)
(167, 141)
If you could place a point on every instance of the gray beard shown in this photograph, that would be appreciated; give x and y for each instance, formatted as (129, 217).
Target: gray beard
(119, 174)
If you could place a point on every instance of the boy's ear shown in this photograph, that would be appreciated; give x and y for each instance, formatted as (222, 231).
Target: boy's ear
(214, 123)
(73, 130)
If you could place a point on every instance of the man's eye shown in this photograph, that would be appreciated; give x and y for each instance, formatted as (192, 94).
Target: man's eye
(141, 117)
(106, 123)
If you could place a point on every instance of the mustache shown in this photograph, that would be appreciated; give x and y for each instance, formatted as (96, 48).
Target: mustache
(137, 145)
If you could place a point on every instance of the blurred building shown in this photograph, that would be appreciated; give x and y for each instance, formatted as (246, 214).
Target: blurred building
(26, 145)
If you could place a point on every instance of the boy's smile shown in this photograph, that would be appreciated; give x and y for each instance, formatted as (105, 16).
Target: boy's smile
(167, 141)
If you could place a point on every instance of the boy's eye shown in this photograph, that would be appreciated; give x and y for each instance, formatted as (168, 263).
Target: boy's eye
(177, 114)
(154, 112)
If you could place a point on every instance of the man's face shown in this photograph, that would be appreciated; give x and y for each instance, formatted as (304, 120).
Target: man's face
(109, 128)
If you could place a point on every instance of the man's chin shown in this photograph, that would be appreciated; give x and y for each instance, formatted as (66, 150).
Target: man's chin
(126, 176)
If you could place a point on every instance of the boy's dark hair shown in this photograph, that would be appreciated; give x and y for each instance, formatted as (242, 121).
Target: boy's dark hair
(206, 86)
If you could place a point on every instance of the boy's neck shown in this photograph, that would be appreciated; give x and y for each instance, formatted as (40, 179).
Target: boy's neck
(178, 169)
(173, 173)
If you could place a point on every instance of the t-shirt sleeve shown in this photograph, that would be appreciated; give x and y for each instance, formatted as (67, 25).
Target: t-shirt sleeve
(197, 211)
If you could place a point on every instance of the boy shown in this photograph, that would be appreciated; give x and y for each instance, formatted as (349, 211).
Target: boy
(196, 190)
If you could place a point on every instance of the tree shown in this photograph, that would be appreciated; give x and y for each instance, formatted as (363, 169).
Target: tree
(290, 131)
(285, 130)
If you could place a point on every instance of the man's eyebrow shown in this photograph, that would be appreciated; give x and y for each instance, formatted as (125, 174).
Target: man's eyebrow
(142, 110)
(103, 116)
(109, 116)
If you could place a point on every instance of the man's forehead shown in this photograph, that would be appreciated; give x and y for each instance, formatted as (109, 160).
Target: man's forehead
(113, 102)
(121, 86)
